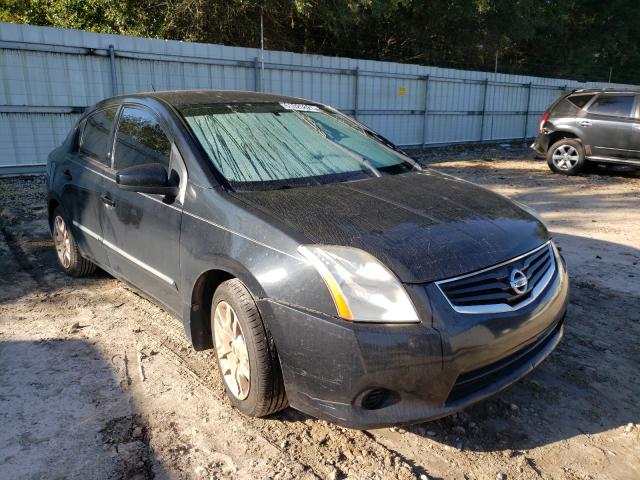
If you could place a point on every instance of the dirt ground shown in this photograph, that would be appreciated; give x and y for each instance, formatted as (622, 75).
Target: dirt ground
(97, 382)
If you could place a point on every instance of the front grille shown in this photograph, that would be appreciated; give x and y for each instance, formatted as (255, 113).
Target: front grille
(491, 290)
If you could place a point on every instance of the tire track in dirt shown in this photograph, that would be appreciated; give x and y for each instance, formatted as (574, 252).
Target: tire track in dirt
(17, 255)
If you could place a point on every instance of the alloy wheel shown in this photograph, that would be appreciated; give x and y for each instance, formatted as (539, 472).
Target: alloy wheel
(62, 241)
(231, 346)
(565, 157)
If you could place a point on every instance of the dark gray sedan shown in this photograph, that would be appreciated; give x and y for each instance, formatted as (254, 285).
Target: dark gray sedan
(328, 270)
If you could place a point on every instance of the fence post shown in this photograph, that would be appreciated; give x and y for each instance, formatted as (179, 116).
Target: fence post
(112, 65)
(256, 75)
(356, 73)
(484, 105)
(426, 110)
(526, 115)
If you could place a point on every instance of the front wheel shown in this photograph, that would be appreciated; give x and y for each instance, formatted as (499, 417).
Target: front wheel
(246, 353)
(566, 156)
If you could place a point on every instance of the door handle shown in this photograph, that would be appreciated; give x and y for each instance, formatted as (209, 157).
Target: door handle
(67, 175)
(585, 123)
(107, 200)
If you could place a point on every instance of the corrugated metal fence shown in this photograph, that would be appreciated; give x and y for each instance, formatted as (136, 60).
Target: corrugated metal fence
(48, 76)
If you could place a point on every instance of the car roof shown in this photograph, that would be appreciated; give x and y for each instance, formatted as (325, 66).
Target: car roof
(183, 98)
(607, 90)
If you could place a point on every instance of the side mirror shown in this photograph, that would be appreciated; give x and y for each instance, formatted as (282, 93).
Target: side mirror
(151, 178)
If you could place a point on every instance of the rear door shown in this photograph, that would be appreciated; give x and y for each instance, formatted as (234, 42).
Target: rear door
(142, 231)
(84, 172)
(607, 125)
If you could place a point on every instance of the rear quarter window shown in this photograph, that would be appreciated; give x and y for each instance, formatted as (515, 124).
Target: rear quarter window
(613, 105)
(580, 100)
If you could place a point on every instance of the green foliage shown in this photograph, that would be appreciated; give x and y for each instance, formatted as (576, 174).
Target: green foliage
(579, 39)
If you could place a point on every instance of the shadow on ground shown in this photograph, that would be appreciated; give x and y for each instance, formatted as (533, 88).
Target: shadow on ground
(62, 417)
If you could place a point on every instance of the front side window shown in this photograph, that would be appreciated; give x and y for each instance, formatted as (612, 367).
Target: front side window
(613, 105)
(269, 146)
(97, 133)
(140, 140)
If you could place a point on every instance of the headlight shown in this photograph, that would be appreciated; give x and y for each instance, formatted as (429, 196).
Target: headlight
(362, 288)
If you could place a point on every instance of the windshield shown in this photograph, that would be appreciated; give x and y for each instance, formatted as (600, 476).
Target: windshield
(270, 146)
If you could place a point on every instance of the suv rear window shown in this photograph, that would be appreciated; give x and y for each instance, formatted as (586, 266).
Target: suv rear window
(580, 100)
(614, 105)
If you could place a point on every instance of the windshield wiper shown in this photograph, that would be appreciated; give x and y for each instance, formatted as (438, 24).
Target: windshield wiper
(370, 133)
(311, 123)
(363, 161)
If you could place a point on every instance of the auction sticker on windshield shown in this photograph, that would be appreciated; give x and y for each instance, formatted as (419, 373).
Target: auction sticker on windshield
(300, 107)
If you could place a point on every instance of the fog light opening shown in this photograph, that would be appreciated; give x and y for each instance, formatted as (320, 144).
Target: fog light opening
(378, 398)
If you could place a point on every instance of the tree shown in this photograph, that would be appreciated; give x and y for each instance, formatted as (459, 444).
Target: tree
(580, 39)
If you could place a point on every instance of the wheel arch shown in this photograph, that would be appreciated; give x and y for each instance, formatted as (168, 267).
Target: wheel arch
(52, 204)
(197, 316)
(560, 134)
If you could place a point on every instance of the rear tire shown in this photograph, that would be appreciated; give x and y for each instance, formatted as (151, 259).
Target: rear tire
(566, 156)
(246, 354)
(69, 257)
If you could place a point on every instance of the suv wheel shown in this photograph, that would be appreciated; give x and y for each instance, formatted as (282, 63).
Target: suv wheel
(566, 156)
(246, 354)
(69, 256)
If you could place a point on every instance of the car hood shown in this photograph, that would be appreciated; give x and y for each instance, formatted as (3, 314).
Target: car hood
(424, 226)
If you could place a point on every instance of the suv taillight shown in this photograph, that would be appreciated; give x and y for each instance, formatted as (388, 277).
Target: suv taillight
(543, 119)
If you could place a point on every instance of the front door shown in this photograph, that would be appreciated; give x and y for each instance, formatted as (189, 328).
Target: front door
(607, 125)
(141, 231)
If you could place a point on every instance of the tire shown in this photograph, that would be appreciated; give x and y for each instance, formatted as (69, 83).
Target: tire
(69, 257)
(263, 392)
(566, 156)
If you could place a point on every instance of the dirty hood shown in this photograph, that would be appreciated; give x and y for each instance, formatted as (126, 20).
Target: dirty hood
(424, 226)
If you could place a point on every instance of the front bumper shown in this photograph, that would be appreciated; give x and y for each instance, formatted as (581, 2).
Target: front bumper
(431, 369)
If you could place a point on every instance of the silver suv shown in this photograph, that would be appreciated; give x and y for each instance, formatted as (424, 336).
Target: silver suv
(595, 125)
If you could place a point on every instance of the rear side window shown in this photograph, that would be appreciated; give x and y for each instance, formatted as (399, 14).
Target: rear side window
(96, 134)
(140, 139)
(613, 105)
(580, 100)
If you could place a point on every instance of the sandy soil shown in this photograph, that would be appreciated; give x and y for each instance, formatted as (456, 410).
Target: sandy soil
(97, 382)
